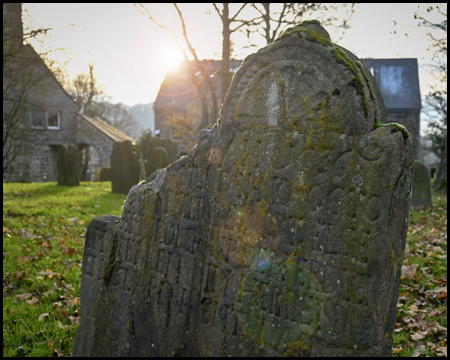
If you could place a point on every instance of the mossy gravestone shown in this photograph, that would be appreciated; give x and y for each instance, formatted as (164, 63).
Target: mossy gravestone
(69, 165)
(281, 233)
(421, 190)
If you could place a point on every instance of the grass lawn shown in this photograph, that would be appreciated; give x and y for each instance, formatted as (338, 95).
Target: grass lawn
(43, 237)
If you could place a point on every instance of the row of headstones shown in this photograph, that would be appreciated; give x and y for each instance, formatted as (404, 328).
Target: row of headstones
(127, 167)
(126, 171)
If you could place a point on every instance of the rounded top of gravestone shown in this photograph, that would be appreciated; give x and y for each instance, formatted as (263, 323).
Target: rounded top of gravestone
(303, 82)
(311, 28)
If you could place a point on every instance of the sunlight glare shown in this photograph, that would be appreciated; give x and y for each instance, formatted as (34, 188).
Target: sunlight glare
(170, 58)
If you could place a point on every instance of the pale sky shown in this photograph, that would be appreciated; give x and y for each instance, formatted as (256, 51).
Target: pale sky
(131, 54)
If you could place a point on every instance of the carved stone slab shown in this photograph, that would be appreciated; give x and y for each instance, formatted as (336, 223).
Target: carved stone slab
(282, 233)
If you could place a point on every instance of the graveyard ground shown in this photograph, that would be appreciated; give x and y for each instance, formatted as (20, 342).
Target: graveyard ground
(43, 238)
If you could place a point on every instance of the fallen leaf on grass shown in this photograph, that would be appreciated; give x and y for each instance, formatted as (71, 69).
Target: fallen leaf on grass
(419, 335)
(75, 320)
(23, 296)
(49, 273)
(61, 326)
(34, 300)
(41, 317)
(442, 351)
(26, 234)
(73, 302)
(408, 271)
(420, 350)
(58, 353)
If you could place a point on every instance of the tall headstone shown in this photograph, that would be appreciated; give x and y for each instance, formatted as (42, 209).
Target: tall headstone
(421, 189)
(281, 233)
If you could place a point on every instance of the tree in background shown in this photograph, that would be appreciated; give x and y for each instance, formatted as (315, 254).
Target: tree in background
(185, 125)
(436, 100)
(290, 14)
(94, 101)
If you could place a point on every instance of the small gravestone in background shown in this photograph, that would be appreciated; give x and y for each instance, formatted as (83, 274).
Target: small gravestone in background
(157, 159)
(281, 233)
(124, 167)
(421, 190)
(69, 165)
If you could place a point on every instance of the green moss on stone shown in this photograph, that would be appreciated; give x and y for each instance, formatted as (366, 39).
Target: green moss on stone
(369, 85)
(315, 36)
(307, 22)
(312, 30)
(396, 127)
(296, 349)
(130, 326)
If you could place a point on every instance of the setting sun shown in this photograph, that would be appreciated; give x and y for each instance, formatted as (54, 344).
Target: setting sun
(170, 58)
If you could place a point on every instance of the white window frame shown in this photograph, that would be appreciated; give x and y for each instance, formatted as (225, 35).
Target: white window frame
(48, 118)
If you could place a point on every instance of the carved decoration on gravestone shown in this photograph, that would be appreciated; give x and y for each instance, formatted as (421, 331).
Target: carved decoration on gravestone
(421, 188)
(282, 233)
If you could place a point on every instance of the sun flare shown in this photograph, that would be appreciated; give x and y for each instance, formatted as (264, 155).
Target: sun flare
(170, 58)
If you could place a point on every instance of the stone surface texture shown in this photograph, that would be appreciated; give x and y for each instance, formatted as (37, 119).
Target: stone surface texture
(282, 233)
(421, 190)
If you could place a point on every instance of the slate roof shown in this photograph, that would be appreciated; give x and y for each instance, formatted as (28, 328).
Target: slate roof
(398, 80)
(107, 129)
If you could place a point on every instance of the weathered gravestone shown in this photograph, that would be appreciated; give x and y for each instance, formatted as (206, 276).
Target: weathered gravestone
(281, 233)
(421, 189)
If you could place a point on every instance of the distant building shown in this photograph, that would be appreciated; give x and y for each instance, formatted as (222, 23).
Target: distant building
(47, 114)
(177, 91)
(398, 80)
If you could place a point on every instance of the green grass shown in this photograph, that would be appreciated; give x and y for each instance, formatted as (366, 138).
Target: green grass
(421, 327)
(43, 237)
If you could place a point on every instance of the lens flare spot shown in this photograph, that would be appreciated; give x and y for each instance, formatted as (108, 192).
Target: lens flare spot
(247, 229)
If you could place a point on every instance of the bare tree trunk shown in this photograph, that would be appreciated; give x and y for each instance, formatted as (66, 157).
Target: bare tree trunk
(225, 66)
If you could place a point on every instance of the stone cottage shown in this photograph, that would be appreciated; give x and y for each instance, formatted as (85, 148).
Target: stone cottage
(35, 101)
(398, 80)
(177, 91)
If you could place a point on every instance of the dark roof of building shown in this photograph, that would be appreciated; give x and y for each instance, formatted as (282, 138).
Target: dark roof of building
(107, 129)
(177, 90)
(398, 80)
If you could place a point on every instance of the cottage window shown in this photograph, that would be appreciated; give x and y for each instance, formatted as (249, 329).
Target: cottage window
(37, 117)
(53, 120)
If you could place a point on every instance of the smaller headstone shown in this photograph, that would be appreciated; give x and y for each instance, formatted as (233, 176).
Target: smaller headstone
(157, 159)
(421, 190)
(69, 165)
(124, 167)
